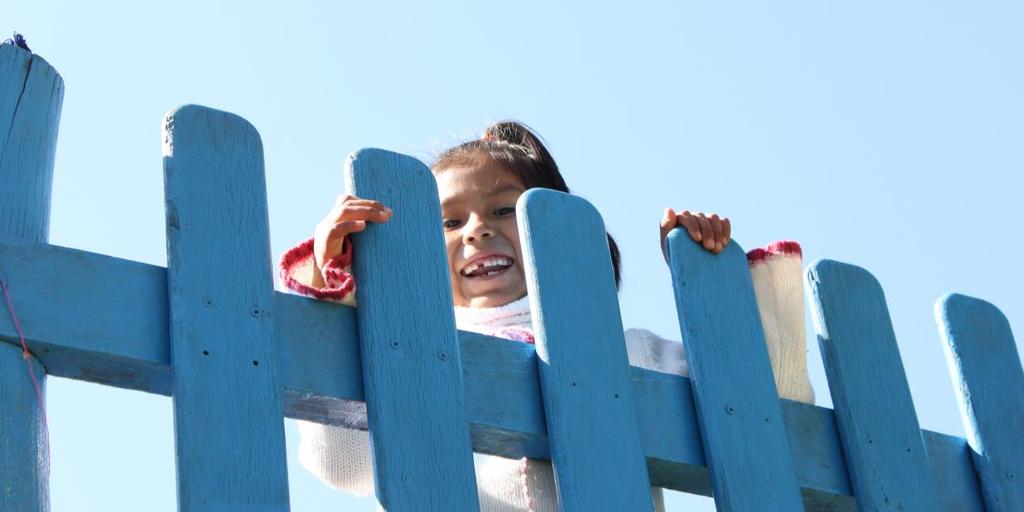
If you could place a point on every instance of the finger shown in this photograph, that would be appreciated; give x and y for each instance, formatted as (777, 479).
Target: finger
(716, 226)
(355, 201)
(726, 231)
(667, 217)
(707, 233)
(347, 227)
(369, 213)
(348, 199)
(688, 221)
(668, 221)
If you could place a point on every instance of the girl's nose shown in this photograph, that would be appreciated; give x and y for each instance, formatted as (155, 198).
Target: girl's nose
(477, 230)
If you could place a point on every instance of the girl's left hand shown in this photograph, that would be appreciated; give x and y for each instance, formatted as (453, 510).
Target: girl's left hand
(710, 231)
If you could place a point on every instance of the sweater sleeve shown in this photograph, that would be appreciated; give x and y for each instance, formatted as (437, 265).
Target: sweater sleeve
(340, 457)
(776, 270)
(525, 485)
(298, 266)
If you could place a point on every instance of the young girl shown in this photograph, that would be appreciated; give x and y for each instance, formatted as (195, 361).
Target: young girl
(478, 183)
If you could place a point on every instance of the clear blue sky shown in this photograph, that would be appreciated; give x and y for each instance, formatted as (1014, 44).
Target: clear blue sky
(884, 134)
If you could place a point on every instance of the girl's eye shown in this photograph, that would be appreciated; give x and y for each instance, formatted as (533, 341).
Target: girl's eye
(451, 223)
(506, 210)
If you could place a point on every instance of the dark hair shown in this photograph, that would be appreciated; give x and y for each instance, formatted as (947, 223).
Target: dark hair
(520, 150)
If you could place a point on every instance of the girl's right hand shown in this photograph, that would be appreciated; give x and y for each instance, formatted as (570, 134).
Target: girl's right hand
(349, 215)
(711, 231)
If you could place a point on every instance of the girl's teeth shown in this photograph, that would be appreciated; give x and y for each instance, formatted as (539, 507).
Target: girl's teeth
(489, 262)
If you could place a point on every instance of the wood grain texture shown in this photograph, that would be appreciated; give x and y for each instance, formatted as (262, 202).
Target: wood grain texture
(584, 369)
(412, 372)
(322, 377)
(104, 321)
(744, 435)
(953, 471)
(227, 395)
(23, 472)
(885, 453)
(31, 96)
(989, 383)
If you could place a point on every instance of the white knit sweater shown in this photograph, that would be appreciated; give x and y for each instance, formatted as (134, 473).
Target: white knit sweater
(342, 459)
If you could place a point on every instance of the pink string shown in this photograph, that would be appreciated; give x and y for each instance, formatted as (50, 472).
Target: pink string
(31, 372)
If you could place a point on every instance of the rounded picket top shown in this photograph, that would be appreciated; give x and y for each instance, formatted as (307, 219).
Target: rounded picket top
(546, 218)
(220, 129)
(955, 306)
(679, 246)
(850, 274)
(388, 173)
(544, 201)
(844, 278)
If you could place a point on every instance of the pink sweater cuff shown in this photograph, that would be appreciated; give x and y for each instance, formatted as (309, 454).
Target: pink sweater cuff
(298, 265)
(773, 250)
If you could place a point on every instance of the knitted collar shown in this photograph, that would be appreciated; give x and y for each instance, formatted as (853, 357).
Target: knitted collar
(489, 320)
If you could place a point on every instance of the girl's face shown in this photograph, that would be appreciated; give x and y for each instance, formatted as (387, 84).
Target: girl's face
(478, 206)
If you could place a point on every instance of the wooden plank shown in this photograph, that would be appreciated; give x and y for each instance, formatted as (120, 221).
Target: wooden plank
(24, 477)
(885, 454)
(412, 373)
(317, 343)
(954, 474)
(104, 322)
(584, 369)
(31, 96)
(734, 392)
(989, 383)
(227, 395)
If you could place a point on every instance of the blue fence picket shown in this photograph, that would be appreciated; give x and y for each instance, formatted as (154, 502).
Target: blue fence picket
(592, 425)
(228, 414)
(24, 484)
(31, 96)
(744, 436)
(989, 383)
(412, 373)
(885, 453)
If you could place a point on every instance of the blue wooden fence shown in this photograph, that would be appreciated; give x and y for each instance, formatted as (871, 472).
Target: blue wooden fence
(244, 355)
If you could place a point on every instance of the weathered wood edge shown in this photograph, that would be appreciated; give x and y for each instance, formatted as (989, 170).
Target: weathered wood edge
(31, 98)
(886, 457)
(740, 415)
(988, 380)
(222, 336)
(596, 448)
(113, 331)
(411, 369)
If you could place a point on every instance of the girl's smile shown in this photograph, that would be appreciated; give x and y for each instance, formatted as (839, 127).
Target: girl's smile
(478, 207)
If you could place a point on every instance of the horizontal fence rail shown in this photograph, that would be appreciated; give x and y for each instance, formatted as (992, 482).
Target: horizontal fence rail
(115, 332)
(236, 356)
